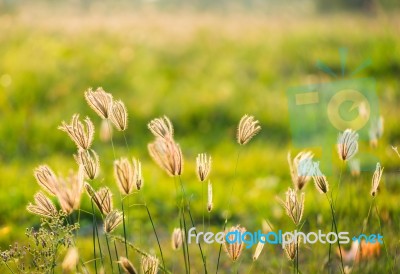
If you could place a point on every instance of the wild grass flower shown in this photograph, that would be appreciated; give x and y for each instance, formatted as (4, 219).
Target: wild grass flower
(168, 155)
(259, 248)
(203, 164)
(150, 264)
(290, 250)
(177, 238)
(43, 206)
(71, 260)
(300, 168)
(100, 101)
(112, 221)
(137, 174)
(81, 134)
(294, 205)
(375, 131)
(248, 127)
(89, 160)
(46, 179)
(347, 144)
(127, 266)
(119, 115)
(320, 181)
(234, 250)
(376, 178)
(70, 190)
(355, 167)
(210, 204)
(124, 175)
(102, 198)
(161, 128)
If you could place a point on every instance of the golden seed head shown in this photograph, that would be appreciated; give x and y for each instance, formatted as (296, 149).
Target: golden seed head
(105, 131)
(79, 133)
(127, 266)
(290, 249)
(70, 190)
(71, 260)
(301, 168)
(102, 198)
(258, 250)
(203, 164)
(119, 115)
(46, 179)
(347, 144)
(43, 206)
(235, 249)
(124, 175)
(161, 128)
(89, 161)
(137, 174)
(100, 101)
(376, 178)
(177, 238)
(113, 220)
(168, 155)
(248, 127)
(320, 181)
(150, 264)
(209, 197)
(294, 205)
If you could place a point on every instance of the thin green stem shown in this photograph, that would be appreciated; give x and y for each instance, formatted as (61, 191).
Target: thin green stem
(94, 239)
(124, 226)
(229, 205)
(336, 231)
(109, 253)
(116, 255)
(155, 233)
(9, 267)
(381, 233)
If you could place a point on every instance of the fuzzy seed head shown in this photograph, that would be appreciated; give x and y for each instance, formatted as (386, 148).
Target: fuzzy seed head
(203, 164)
(320, 181)
(347, 144)
(137, 174)
(71, 260)
(100, 101)
(150, 264)
(209, 197)
(127, 266)
(119, 115)
(161, 128)
(300, 168)
(124, 175)
(112, 221)
(234, 250)
(376, 178)
(46, 179)
(294, 205)
(70, 190)
(376, 131)
(258, 250)
(43, 206)
(102, 198)
(177, 238)
(248, 127)
(89, 161)
(168, 155)
(81, 134)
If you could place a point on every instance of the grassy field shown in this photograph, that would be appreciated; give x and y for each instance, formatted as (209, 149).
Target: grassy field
(204, 71)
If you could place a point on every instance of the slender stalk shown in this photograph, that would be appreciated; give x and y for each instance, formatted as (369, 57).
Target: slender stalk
(336, 231)
(116, 254)
(94, 239)
(184, 243)
(109, 253)
(229, 205)
(9, 268)
(381, 233)
(124, 226)
(155, 233)
(98, 242)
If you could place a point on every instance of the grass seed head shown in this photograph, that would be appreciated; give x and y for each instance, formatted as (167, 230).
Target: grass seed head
(234, 250)
(376, 178)
(43, 206)
(46, 178)
(161, 128)
(127, 266)
(300, 168)
(100, 101)
(347, 144)
(248, 127)
(168, 155)
(81, 134)
(119, 115)
(177, 238)
(149, 264)
(124, 175)
(112, 221)
(203, 164)
(89, 161)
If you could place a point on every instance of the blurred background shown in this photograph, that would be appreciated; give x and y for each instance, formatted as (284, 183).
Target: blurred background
(204, 64)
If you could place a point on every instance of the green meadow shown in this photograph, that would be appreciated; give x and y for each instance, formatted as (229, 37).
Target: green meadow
(204, 70)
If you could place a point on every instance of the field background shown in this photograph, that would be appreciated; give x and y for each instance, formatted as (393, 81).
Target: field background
(204, 67)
